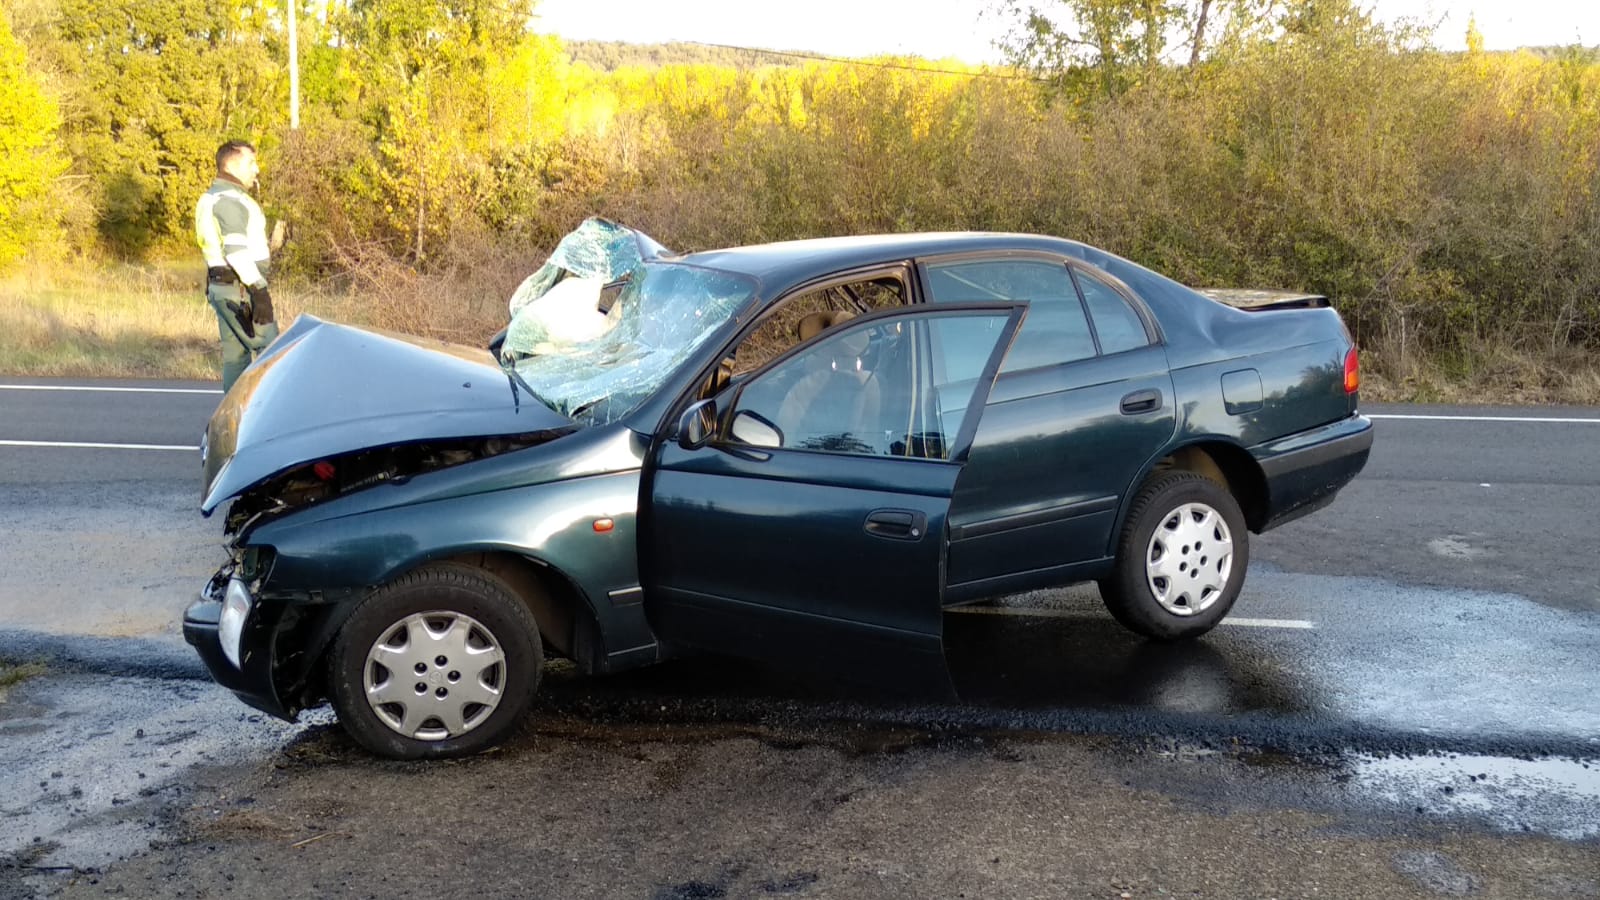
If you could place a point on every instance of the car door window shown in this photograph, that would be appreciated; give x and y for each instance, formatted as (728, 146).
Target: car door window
(1115, 322)
(1056, 329)
(875, 388)
(794, 320)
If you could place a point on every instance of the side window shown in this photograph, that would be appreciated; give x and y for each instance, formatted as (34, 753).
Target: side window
(800, 318)
(871, 388)
(1055, 330)
(1118, 326)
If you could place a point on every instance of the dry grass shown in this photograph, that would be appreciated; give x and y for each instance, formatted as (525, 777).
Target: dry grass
(150, 320)
(146, 321)
(130, 321)
(13, 674)
(462, 300)
(1494, 372)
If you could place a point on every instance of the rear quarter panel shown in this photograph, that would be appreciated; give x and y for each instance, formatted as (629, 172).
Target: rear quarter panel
(1298, 355)
(1301, 387)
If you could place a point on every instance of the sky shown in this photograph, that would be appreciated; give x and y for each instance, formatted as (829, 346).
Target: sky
(962, 29)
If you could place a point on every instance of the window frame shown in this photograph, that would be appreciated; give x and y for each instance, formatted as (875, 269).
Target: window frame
(1013, 311)
(901, 269)
(1152, 329)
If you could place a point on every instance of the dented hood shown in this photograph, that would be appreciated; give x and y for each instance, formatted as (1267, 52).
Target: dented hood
(325, 389)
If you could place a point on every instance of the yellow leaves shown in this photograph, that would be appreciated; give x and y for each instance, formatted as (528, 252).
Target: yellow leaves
(29, 158)
(527, 96)
(583, 102)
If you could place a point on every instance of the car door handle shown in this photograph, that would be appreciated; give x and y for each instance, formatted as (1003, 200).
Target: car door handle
(1141, 402)
(897, 524)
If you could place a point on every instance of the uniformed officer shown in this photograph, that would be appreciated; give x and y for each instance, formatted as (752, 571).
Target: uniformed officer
(232, 232)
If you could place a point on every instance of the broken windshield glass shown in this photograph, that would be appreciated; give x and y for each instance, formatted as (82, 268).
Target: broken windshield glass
(665, 311)
(597, 250)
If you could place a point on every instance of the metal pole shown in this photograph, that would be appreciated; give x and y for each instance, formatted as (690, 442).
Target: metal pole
(294, 68)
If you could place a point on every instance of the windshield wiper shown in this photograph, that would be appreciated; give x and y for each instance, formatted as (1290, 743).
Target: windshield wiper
(513, 377)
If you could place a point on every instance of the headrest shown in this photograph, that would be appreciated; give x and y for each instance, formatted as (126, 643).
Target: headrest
(818, 322)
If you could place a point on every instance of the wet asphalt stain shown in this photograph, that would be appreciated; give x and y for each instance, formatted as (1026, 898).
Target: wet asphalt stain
(662, 764)
(1389, 794)
(712, 888)
(722, 694)
(1360, 716)
(1436, 872)
(1428, 671)
(793, 883)
(731, 881)
(93, 763)
(166, 658)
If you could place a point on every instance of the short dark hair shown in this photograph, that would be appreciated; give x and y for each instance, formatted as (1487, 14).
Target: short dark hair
(227, 152)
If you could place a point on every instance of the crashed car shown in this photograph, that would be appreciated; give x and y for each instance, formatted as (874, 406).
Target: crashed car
(801, 453)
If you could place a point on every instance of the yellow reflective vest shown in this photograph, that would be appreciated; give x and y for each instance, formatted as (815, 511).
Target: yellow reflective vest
(232, 231)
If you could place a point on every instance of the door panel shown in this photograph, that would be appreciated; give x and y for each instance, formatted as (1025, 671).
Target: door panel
(787, 569)
(1083, 401)
(825, 548)
(1053, 445)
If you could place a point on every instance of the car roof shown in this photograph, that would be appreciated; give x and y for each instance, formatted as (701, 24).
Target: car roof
(781, 266)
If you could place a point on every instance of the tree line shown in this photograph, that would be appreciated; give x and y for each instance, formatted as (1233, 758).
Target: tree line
(1442, 199)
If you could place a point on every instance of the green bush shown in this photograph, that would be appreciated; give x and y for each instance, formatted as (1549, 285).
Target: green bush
(1446, 202)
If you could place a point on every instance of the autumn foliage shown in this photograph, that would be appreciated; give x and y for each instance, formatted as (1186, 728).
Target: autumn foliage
(1446, 201)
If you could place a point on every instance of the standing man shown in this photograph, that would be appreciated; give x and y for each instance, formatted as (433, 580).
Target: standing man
(233, 236)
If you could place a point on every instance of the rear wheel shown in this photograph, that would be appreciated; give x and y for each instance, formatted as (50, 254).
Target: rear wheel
(1180, 560)
(441, 662)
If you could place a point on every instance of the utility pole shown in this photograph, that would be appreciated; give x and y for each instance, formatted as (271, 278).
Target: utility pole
(294, 67)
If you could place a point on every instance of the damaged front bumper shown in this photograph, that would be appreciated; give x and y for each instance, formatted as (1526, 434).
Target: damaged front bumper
(227, 627)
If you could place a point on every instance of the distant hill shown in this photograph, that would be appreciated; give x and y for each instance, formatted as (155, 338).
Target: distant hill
(1575, 52)
(610, 55)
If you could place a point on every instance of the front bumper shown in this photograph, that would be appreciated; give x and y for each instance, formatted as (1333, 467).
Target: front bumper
(1305, 471)
(252, 679)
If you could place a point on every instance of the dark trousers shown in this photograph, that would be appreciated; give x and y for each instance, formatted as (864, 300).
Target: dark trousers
(238, 348)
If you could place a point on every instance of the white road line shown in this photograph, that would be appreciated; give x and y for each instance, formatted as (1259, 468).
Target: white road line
(85, 445)
(1550, 419)
(1070, 614)
(113, 390)
(1269, 623)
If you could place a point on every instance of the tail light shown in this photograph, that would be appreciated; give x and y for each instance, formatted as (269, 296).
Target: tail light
(1352, 372)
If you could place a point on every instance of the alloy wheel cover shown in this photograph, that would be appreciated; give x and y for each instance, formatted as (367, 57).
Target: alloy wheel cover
(1189, 559)
(434, 675)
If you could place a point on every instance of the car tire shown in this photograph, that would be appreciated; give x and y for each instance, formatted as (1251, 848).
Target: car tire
(1181, 558)
(441, 662)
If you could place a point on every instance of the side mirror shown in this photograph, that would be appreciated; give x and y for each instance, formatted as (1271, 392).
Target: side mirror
(753, 429)
(697, 425)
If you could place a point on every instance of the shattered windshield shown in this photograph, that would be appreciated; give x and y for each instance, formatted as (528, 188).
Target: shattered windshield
(595, 367)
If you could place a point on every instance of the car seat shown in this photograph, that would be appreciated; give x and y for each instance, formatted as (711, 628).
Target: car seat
(837, 399)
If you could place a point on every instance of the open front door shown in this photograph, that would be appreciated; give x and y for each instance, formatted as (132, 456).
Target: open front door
(800, 517)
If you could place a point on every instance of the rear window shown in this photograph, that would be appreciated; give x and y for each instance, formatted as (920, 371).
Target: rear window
(1117, 325)
(1055, 331)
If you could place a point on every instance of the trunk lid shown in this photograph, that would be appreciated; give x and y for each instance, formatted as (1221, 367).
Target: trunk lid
(1253, 300)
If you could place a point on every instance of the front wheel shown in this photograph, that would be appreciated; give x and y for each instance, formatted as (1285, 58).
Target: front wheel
(441, 662)
(1181, 558)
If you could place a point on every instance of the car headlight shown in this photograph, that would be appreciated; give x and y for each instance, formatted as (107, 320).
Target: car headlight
(236, 603)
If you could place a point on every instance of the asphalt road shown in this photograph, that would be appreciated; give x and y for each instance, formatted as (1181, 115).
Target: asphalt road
(1447, 603)
(1443, 593)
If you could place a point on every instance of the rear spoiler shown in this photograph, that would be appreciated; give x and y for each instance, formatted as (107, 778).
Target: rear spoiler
(1260, 301)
